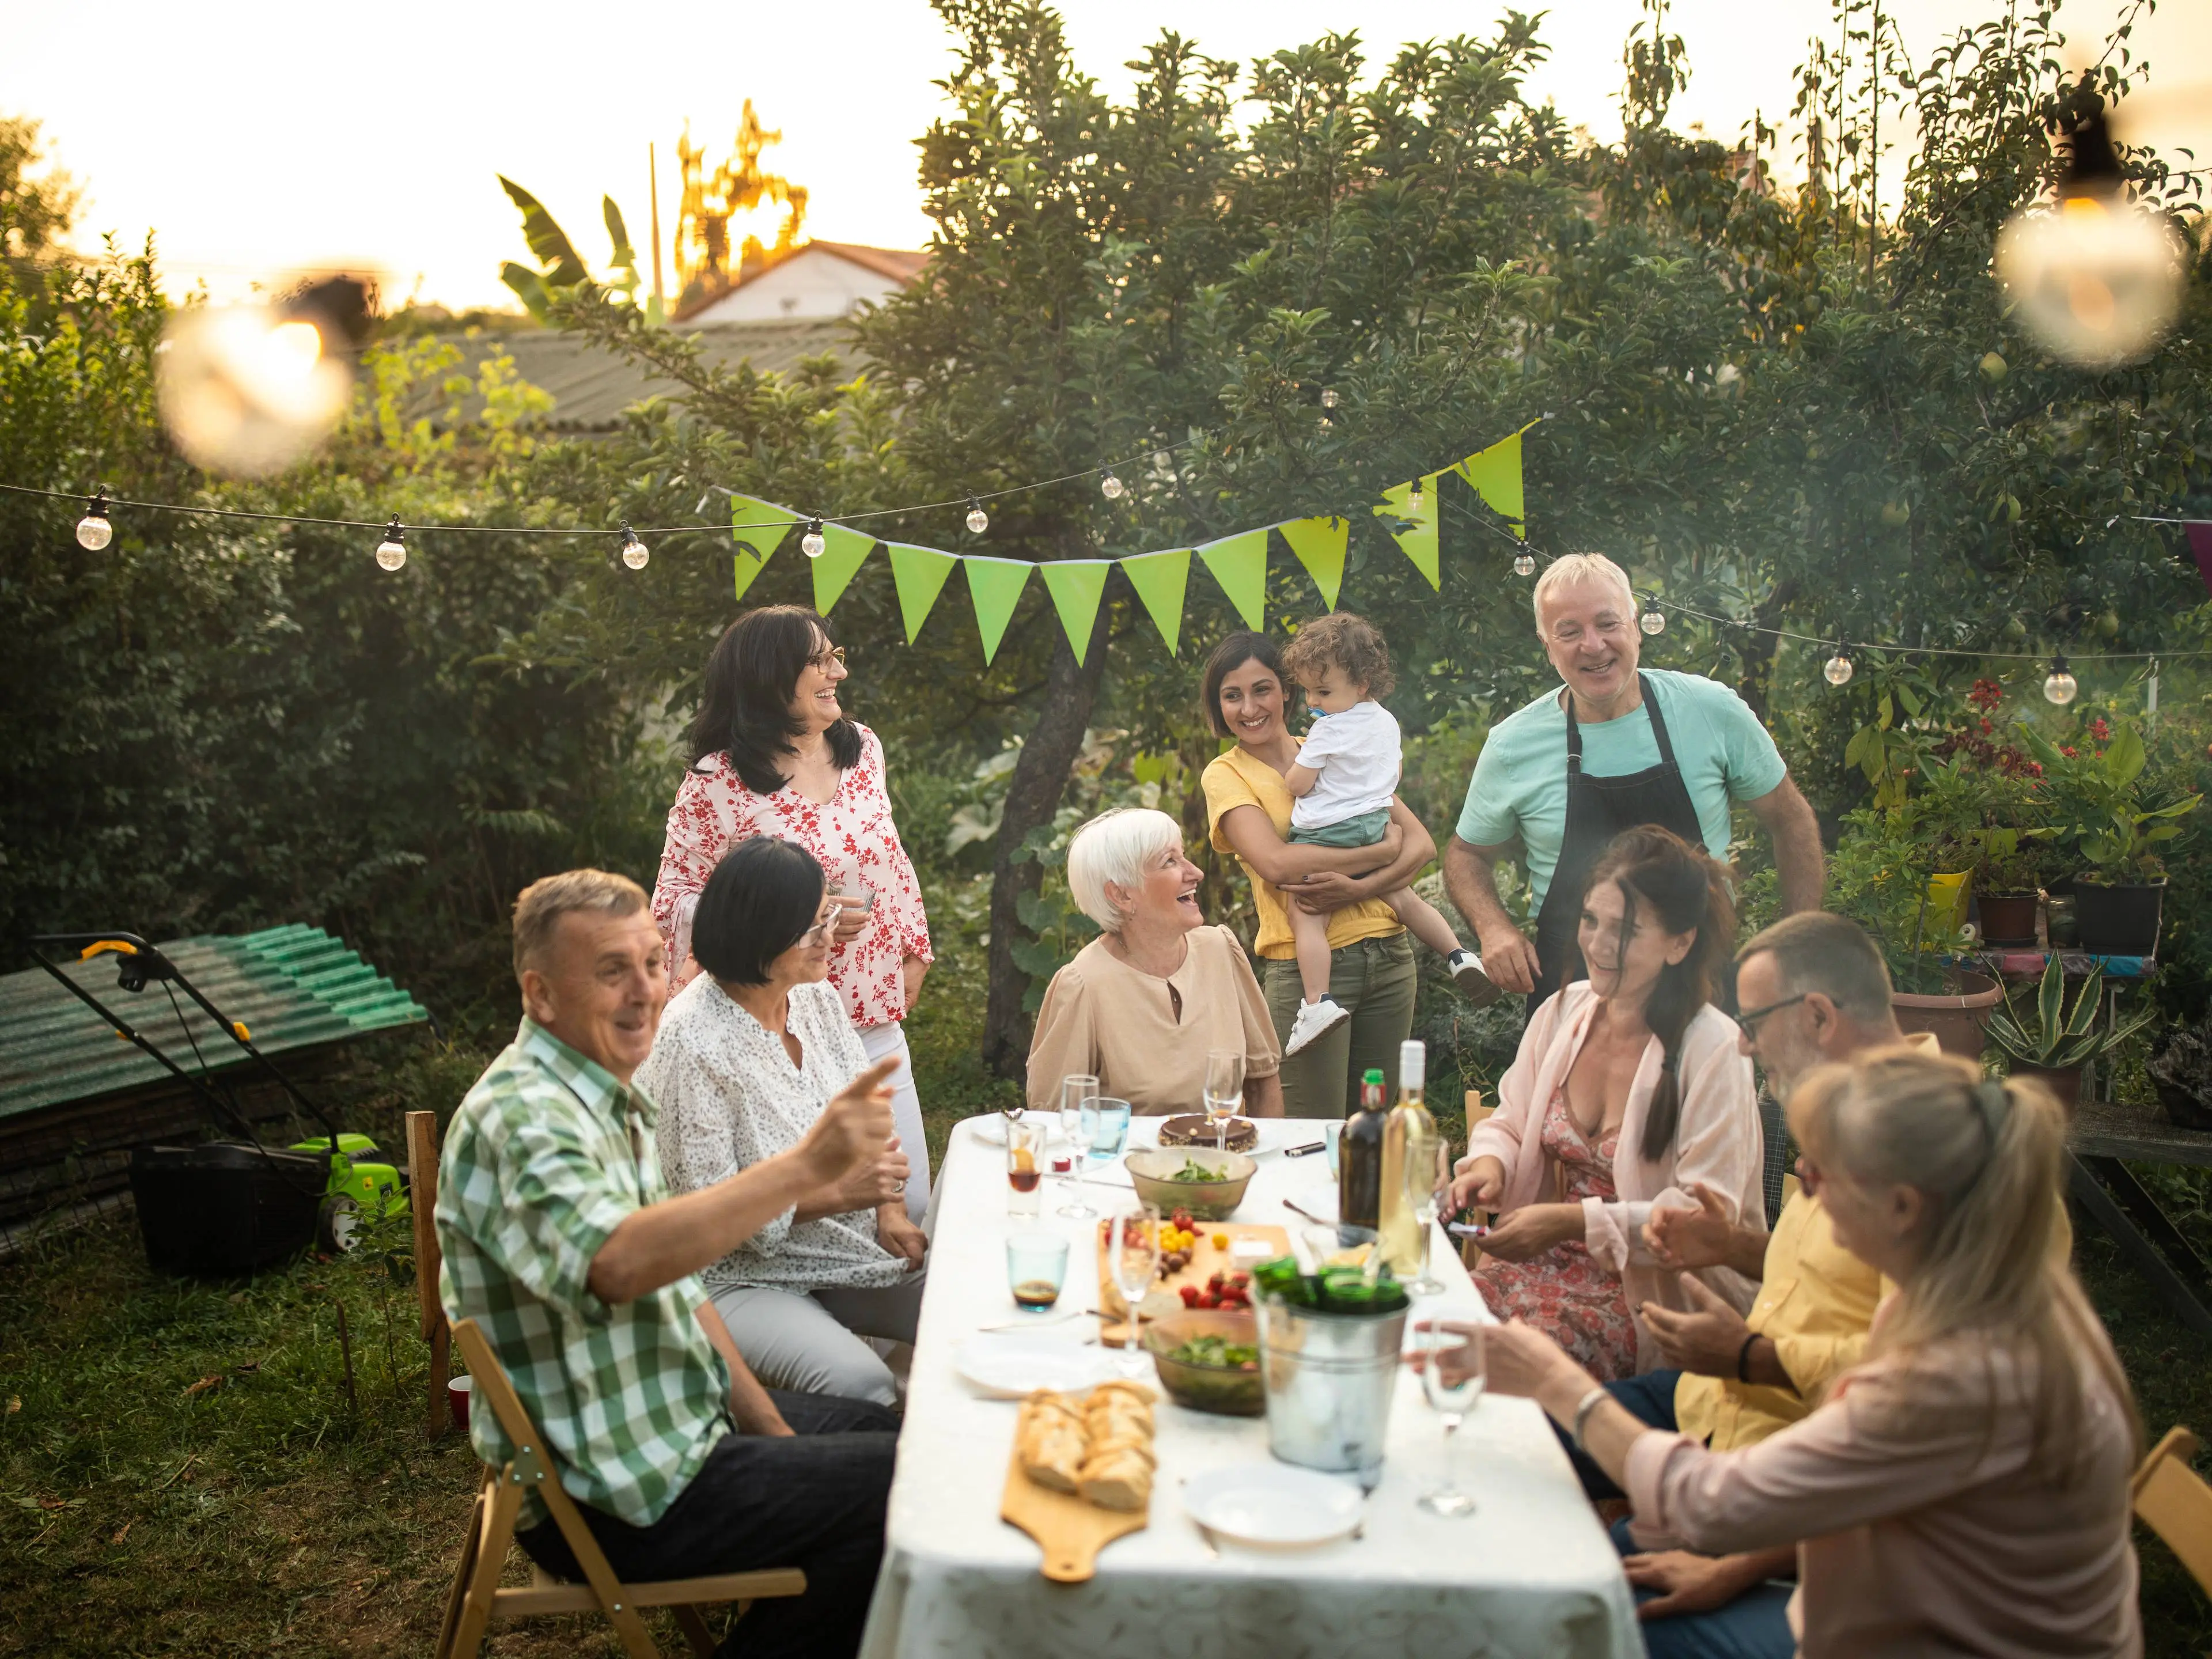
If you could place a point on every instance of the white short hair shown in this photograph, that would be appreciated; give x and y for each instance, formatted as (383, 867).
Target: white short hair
(1571, 569)
(1115, 846)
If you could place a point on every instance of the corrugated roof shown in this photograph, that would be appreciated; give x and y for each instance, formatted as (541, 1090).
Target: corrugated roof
(293, 988)
(590, 387)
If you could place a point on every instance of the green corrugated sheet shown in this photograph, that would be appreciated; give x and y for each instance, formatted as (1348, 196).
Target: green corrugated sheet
(293, 988)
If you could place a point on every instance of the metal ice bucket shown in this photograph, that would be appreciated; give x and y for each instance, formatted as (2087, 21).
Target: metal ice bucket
(1329, 1377)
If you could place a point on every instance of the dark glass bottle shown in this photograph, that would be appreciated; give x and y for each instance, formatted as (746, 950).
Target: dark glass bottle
(1359, 1158)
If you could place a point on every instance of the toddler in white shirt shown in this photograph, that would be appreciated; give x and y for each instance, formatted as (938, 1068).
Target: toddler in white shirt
(1343, 781)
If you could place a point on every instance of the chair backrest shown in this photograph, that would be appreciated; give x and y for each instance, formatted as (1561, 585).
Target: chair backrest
(2175, 1503)
(422, 1203)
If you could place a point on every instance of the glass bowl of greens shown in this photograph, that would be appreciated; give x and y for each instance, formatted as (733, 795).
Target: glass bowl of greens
(1209, 1360)
(1207, 1184)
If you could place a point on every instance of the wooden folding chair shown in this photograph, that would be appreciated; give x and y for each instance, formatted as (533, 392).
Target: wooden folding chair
(2174, 1501)
(1470, 1250)
(421, 1202)
(477, 1598)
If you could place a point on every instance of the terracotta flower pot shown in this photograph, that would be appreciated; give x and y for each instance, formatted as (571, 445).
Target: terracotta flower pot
(2120, 919)
(1954, 1019)
(2009, 918)
(2065, 1084)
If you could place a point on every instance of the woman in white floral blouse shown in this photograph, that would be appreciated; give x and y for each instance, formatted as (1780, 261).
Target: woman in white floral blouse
(773, 754)
(747, 1057)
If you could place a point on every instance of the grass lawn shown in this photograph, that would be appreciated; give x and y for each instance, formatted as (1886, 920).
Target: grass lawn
(182, 1470)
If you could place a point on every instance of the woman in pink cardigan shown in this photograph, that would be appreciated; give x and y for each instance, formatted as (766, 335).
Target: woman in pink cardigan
(1965, 1488)
(1628, 1087)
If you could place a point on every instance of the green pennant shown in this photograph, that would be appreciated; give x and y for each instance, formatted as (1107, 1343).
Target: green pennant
(1417, 539)
(919, 574)
(1495, 472)
(759, 526)
(843, 553)
(995, 587)
(1161, 579)
(1076, 586)
(748, 568)
(1239, 563)
(1320, 543)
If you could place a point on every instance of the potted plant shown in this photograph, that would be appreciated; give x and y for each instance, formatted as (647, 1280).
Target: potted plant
(2105, 804)
(1879, 877)
(2181, 1072)
(2055, 1044)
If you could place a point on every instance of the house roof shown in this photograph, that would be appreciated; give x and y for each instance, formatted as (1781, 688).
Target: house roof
(898, 264)
(590, 387)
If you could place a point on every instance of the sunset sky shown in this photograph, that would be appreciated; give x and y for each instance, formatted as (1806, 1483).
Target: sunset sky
(270, 141)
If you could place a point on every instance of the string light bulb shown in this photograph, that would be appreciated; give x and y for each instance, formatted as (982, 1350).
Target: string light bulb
(634, 553)
(1525, 564)
(1837, 670)
(1654, 620)
(93, 531)
(2098, 279)
(2059, 686)
(1328, 399)
(1111, 487)
(1413, 497)
(813, 543)
(391, 551)
(978, 519)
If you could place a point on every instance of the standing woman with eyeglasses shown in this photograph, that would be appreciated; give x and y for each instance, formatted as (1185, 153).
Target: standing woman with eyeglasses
(774, 753)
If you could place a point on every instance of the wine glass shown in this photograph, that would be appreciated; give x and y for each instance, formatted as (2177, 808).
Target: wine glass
(1452, 1376)
(1077, 1092)
(1224, 1091)
(1428, 1178)
(1134, 1257)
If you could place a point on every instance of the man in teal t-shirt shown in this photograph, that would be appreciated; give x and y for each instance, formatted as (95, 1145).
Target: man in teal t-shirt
(1517, 802)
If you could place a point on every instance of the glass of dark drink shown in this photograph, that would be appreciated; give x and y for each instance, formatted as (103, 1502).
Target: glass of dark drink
(1024, 1163)
(1036, 1264)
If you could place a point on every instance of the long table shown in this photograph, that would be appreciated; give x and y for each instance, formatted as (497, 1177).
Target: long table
(1530, 1573)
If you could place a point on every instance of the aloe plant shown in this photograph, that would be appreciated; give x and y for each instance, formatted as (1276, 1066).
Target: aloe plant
(2059, 1039)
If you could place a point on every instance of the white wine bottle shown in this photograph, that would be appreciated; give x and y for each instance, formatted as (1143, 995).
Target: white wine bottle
(1409, 1138)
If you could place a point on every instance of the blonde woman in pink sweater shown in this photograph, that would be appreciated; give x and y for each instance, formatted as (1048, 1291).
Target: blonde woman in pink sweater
(1965, 1491)
(1629, 1087)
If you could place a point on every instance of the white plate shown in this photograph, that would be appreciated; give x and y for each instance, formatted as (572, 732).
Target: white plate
(1273, 1504)
(990, 1127)
(1007, 1364)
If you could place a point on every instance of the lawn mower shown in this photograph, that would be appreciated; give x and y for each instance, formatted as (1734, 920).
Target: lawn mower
(227, 1207)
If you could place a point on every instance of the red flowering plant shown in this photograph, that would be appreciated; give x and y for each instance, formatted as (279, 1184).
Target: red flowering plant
(2116, 811)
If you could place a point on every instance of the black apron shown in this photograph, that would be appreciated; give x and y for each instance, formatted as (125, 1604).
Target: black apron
(1598, 809)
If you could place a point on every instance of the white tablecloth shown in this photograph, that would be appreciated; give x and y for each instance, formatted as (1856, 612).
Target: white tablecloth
(1530, 1573)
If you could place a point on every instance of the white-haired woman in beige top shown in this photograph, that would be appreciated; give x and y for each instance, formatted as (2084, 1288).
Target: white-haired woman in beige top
(1965, 1491)
(1142, 1003)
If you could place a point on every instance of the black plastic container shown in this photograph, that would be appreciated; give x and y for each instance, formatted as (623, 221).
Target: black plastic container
(2118, 921)
(226, 1208)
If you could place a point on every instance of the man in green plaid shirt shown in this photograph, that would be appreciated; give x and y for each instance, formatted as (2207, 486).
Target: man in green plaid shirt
(560, 1241)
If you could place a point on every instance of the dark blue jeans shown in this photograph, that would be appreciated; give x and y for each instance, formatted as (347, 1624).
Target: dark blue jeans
(1755, 1625)
(1650, 1399)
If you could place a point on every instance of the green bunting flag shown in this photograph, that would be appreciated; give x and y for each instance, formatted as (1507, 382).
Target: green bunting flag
(1160, 579)
(758, 527)
(1495, 472)
(919, 574)
(1076, 586)
(1239, 563)
(845, 552)
(995, 587)
(1320, 543)
(1417, 539)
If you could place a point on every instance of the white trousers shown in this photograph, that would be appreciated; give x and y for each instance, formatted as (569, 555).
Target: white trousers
(881, 1042)
(813, 1343)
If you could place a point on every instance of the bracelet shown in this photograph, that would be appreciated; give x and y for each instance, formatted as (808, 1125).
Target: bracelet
(1743, 1359)
(1583, 1407)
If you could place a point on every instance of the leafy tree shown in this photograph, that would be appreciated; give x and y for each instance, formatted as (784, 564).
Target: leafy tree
(35, 213)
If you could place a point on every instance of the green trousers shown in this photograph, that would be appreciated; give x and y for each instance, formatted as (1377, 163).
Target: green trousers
(1374, 978)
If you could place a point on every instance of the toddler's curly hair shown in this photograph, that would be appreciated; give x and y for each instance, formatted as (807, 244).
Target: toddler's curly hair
(1352, 645)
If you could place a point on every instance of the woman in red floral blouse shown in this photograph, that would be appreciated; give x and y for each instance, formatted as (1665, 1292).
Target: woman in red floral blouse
(773, 754)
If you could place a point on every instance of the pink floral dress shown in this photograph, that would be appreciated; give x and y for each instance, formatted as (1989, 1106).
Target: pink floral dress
(1574, 1300)
(853, 836)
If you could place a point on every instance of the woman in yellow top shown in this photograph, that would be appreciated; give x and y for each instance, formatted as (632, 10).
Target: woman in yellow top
(1248, 807)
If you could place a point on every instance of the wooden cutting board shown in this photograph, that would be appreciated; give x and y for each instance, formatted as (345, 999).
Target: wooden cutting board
(1205, 1262)
(1070, 1531)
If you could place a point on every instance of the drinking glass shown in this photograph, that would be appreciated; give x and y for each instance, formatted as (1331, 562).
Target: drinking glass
(1024, 1166)
(1224, 1091)
(1036, 1265)
(1428, 1178)
(1452, 1376)
(1105, 1127)
(1077, 1092)
(1133, 1254)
